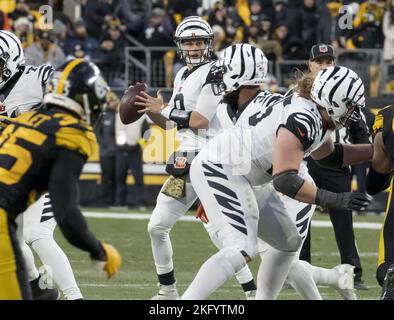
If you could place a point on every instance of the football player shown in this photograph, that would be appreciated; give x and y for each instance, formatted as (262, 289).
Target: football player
(270, 148)
(379, 178)
(302, 275)
(46, 150)
(191, 107)
(21, 90)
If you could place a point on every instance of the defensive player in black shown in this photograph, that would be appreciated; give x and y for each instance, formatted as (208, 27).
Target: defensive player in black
(45, 150)
(378, 179)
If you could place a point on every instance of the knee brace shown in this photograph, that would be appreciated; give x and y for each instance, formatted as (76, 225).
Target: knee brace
(231, 259)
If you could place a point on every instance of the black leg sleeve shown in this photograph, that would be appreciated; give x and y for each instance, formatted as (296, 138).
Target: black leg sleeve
(63, 189)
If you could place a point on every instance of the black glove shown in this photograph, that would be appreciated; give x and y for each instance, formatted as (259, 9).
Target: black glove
(341, 201)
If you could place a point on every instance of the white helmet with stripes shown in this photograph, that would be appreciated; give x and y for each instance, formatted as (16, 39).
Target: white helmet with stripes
(341, 92)
(240, 65)
(11, 56)
(194, 28)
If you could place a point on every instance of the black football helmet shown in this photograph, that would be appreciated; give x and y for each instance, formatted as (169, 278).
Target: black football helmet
(78, 86)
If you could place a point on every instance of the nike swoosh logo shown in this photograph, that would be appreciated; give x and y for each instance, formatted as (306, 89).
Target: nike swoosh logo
(302, 134)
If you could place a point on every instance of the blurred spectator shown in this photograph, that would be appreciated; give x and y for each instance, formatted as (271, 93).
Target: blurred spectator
(129, 156)
(233, 28)
(256, 10)
(112, 45)
(292, 47)
(96, 14)
(367, 32)
(88, 44)
(44, 50)
(60, 33)
(134, 14)
(23, 29)
(388, 31)
(258, 7)
(281, 11)
(157, 36)
(182, 8)
(5, 23)
(106, 138)
(324, 27)
(271, 48)
(22, 10)
(217, 16)
(304, 24)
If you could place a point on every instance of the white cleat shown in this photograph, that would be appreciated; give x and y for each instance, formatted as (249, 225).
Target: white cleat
(166, 292)
(345, 283)
(250, 295)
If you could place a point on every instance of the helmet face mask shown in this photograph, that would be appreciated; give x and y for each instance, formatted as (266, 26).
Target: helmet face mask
(239, 65)
(12, 57)
(81, 90)
(189, 33)
(340, 91)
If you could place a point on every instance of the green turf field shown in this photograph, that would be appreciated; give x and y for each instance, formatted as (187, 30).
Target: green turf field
(191, 244)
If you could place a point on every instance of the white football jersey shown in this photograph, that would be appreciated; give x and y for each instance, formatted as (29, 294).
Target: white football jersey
(193, 92)
(249, 146)
(25, 90)
(228, 118)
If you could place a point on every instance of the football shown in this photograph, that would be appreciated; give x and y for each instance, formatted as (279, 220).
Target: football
(128, 109)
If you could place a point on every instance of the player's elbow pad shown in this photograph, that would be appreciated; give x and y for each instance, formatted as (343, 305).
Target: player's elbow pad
(288, 182)
(334, 159)
(377, 182)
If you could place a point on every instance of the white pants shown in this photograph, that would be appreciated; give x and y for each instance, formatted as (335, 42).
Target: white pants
(38, 227)
(166, 213)
(38, 220)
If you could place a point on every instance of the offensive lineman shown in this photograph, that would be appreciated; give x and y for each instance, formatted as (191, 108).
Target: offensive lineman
(302, 275)
(21, 90)
(223, 173)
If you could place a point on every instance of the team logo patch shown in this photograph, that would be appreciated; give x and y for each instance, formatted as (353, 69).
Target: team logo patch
(323, 48)
(180, 162)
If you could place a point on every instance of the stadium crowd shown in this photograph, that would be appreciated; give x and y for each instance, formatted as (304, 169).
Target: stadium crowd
(104, 27)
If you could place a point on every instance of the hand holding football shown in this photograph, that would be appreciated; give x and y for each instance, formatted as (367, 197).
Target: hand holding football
(128, 110)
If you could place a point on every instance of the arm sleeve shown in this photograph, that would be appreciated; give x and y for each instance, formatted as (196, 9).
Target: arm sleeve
(63, 190)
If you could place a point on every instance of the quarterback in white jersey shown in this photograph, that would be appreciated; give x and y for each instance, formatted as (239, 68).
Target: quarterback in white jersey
(270, 149)
(191, 108)
(21, 90)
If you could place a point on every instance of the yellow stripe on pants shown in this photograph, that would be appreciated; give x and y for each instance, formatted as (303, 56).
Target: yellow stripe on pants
(381, 256)
(9, 285)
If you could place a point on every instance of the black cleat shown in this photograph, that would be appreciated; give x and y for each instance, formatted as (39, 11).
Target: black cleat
(43, 294)
(360, 285)
(388, 285)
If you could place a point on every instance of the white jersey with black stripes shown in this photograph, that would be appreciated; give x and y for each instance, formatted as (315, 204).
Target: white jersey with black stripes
(24, 90)
(227, 117)
(193, 92)
(249, 146)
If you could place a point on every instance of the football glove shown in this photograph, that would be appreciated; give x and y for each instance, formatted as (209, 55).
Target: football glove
(200, 214)
(112, 263)
(341, 201)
